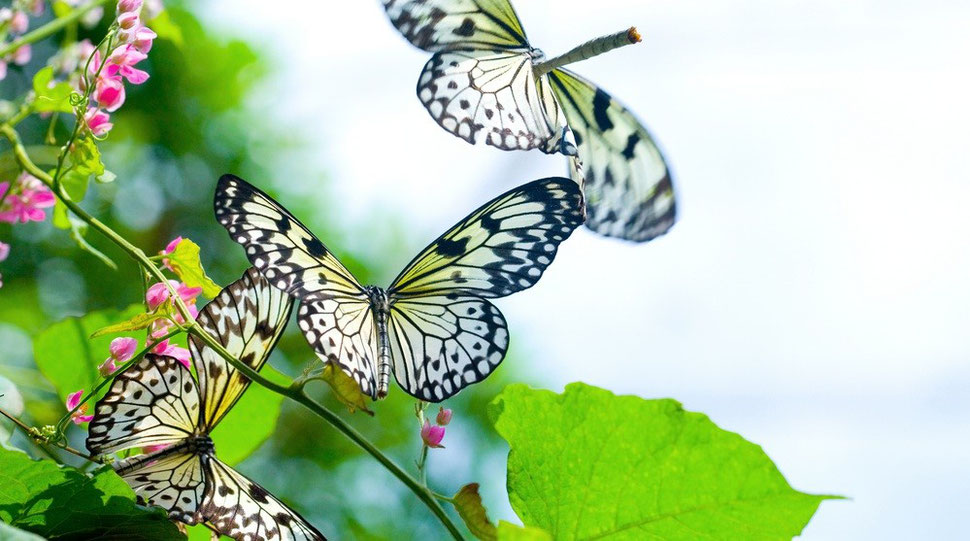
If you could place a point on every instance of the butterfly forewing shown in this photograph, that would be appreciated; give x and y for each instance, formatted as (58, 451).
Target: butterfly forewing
(443, 25)
(441, 345)
(501, 248)
(627, 183)
(281, 247)
(242, 509)
(154, 402)
(345, 334)
(247, 319)
(175, 482)
(491, 95)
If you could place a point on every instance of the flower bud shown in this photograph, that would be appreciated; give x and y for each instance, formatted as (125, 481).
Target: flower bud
(129, 6)
(108, 367)
(444, 416)
(123, 348)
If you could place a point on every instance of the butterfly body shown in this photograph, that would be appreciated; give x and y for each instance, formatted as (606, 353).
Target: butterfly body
(433, 327)
(486, 82)
(381, 307)
(200, 445)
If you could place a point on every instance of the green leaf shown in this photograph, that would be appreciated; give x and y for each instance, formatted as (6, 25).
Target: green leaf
(200, 532)
(513, 532)
(49, 97)
(86, 160)
(185, 261)
(137, 322)
(251, 421)
(345, 389)
(588, 463)
(68, 357)
(61, 502)
(165, 27)
(468, 503)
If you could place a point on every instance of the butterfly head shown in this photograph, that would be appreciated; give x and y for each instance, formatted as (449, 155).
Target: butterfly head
(200, 445)
(536, 55)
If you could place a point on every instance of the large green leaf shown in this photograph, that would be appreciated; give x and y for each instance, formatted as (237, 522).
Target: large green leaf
(51, 96)
(68, 356)
(185, 261)
(251, 421)
(589, 464)
(64, 503)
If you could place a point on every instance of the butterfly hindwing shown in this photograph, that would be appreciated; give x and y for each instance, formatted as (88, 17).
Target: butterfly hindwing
(343, 333)
(443, 25)
(247, 318)
(501, 248)
(491, 95)
(628, 187)
(440, 345)
(281, 247)
(242, 509)
(175, 481)
(152, 403)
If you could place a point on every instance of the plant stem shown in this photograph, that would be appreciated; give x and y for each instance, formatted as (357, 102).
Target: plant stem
(50, 28)
(33, 437)
(294, 393)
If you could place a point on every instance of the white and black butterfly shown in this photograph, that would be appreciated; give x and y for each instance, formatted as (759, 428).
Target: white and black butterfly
(158, 402)
(485, 81)
(433, 325)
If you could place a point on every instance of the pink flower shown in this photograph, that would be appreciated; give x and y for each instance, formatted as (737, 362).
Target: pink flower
(19, 22)
(28, 204)
(159, 328)
(108, 367)
(170, 247)
(157, 294)
(187, 293)
(180, 354)
(129, 6)
(444, 416)
(142, 39)
(129, 20)
(3, 70)
(110, 93)
(36, 7)
(97, 121)
(4, 250)
(193, 313)
(123, 348)
(78, 416)
(121, 61)
(432, 435)
(22, 55)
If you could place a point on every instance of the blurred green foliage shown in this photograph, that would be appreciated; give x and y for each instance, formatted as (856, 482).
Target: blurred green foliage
(192, 121)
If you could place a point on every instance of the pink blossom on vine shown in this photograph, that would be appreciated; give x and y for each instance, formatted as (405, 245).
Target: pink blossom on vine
(19, 22)
(121, 63)
(97, 121)
(180, 354)
(78, 416)
(123, 348)
(4, 250)
(129, 6)
(26, 200)
(142, 39)
(444, 416)
(108, 367)
(109, 92)
(170, 247)
(157, 294)
(159, 328)
(432, 435)
(22, 55)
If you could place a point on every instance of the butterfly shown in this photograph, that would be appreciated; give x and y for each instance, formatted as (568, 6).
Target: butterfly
(158, 402)
(434, 325)
(485, 81)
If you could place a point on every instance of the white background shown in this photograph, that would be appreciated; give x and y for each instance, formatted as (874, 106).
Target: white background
(814, 295)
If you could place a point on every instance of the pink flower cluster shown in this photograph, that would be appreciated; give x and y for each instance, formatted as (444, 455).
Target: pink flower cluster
(432, 434)
(156, 296)
(16, 22)
(78, 416)
(22, 202)
(25, 201)
(110, 75)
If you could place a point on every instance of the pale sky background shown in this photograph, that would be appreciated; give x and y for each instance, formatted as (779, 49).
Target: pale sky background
(813, 297)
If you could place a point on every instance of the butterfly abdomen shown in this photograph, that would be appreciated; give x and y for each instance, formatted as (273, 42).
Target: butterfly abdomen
(381, 307)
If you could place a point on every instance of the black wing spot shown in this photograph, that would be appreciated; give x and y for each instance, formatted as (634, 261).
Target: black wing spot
(451, 248)
(467, 28)
(258, 493)
(600, 105)
(631, 145)
(315, 247)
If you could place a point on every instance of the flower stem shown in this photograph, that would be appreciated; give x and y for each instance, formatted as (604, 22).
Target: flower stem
(50, 28)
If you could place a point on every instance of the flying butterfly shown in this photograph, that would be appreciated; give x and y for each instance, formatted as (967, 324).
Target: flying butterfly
(485, 81)
(434, 325)
(158, 402)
